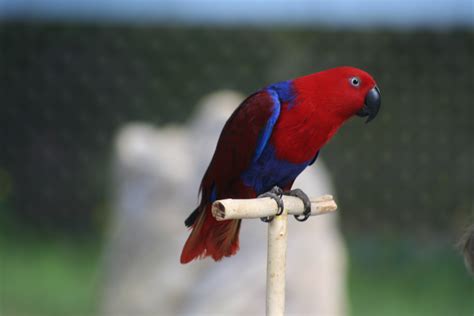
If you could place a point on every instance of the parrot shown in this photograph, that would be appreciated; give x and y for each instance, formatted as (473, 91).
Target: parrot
(271, 137)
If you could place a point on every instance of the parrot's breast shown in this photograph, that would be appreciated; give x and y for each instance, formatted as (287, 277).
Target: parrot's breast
(268, 171)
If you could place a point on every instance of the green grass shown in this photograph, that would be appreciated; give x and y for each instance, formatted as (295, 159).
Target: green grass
(386, 278)
(408, 278)
(48, 278)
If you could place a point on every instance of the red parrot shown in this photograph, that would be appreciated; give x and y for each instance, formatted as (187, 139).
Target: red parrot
(268, 141)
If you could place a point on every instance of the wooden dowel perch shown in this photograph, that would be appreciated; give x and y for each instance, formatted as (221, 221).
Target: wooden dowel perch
(277, 235)
(255, 208)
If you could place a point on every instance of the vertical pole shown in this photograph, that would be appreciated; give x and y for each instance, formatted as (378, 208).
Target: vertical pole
(276, 265)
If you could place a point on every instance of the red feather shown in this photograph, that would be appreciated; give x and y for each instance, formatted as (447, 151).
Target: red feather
(234, 153)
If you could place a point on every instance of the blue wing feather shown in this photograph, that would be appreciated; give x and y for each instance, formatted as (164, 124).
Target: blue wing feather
(266, 170)
(286, 92)
(267, 130)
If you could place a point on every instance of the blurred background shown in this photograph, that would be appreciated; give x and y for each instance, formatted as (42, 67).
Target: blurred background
(74, 73)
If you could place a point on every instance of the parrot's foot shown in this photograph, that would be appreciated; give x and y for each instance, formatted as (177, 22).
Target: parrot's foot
(275, 193)
(306, 202)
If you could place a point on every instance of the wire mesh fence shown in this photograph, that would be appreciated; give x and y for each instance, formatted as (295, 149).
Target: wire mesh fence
(67, 88)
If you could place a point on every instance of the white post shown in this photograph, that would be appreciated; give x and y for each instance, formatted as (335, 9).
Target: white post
(277, 235)
(276, 265)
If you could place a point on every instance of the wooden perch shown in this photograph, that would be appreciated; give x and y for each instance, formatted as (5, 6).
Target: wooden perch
(277, 235)
(255, 208)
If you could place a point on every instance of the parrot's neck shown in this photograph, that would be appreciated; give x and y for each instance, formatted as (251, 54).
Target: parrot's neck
(302, 130)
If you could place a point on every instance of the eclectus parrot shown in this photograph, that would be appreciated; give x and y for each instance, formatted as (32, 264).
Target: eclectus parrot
(268, 141)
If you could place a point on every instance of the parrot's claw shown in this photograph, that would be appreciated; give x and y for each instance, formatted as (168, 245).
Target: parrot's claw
(306, 202)
(275, 193)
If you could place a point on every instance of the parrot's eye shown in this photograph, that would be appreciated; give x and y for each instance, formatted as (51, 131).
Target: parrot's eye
(355, 81)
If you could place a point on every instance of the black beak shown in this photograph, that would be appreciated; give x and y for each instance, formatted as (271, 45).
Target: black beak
(372, 104)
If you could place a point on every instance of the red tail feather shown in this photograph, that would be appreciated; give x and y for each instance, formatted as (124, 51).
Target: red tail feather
(211, 238)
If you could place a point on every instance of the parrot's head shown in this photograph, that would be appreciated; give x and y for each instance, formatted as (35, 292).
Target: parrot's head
(350, 91)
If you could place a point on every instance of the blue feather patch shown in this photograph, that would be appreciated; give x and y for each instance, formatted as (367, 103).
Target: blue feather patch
(267, 130)
(285, 91)
(268, 171)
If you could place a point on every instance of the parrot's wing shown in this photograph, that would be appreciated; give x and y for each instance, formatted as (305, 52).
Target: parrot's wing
(242, 140)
